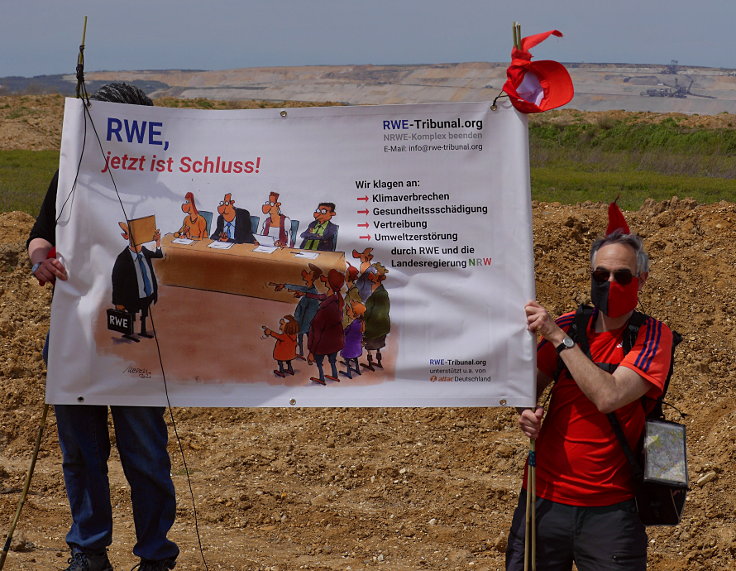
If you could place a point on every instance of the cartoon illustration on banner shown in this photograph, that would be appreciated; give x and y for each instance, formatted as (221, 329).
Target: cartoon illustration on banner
(337, 256)
(336, 322)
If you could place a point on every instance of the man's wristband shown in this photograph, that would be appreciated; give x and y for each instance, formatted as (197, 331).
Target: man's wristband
(34, 267)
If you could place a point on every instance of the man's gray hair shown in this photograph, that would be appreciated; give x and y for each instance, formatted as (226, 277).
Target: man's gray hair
(631, 240)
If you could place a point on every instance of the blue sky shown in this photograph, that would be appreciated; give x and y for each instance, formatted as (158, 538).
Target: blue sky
(42, 36)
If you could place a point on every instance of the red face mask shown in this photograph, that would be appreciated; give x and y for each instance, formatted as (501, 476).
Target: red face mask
(615, 299)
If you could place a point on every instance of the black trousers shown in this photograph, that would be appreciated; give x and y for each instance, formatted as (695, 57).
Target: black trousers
(595, 538)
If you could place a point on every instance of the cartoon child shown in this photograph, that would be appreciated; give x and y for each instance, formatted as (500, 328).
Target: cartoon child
(377, 321)
(321, 234)
(194, 226)
(353, 348)
(134, 285)
(285, 349)
(275, 224)
(233, 224)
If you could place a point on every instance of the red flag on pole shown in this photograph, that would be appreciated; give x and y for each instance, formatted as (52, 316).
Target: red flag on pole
(536, 86)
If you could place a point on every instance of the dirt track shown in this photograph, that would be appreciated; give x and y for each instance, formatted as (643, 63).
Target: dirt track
(399, 489)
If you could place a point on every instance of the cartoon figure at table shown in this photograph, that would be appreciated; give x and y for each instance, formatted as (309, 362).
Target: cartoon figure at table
(233, 224)
(321, 234)
(307, 306)
(134, 285)
(275, 225)
(194, 226)
(377, 320)
(362, 283)
(353, 349)
(326, 336)
(284, 351)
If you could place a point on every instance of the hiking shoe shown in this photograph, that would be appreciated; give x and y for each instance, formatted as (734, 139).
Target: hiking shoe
(151, 565)
(81, 561)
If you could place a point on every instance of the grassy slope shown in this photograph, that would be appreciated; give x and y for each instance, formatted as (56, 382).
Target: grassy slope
(24, 177)
(598, 156)
(575, 157)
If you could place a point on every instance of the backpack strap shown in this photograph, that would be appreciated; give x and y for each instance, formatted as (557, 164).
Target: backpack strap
(582, 319)
(636, 469)
(657, 411)
(578, 331)
(578, 325)
(579, 328)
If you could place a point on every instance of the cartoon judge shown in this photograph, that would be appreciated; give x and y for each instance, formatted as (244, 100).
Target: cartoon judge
(321, 234)
(233, 224)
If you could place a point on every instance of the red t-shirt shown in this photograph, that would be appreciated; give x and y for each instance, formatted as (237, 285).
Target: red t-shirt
(579, 459)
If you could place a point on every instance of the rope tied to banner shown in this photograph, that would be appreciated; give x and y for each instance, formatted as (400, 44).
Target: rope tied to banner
(81, 85)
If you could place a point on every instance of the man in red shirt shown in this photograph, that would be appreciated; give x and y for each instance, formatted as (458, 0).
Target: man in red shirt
(585, 506)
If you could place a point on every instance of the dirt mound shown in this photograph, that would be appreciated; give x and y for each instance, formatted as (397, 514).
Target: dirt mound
(31, 122)
(401, 489)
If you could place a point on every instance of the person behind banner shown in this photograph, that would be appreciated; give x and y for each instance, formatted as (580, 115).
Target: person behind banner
(321, 234)
(233, 224)
(585, 507)
(140, 432)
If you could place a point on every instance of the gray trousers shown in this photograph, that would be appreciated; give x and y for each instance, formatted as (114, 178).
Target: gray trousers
(595, 538)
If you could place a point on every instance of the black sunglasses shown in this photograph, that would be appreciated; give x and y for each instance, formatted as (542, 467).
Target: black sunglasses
(622, 277)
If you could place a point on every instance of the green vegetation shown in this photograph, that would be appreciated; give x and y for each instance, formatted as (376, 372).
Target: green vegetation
(571, 184)
(627, 135)
(598, 157)
(24, 178)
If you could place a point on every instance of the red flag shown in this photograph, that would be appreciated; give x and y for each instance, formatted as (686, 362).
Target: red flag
(616, 220)
(537, 86)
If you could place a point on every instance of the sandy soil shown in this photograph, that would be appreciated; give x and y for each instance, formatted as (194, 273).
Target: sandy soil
(393, 488)
(398, 489)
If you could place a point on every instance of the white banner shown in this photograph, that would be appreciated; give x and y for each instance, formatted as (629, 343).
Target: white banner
(340, 256)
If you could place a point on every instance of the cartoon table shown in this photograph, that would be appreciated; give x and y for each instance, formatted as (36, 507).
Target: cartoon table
(238, 270)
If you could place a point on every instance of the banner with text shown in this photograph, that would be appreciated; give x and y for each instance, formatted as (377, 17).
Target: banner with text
(333, 256)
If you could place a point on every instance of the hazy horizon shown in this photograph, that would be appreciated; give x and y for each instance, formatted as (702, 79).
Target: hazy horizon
(41, 37)
(567, 63)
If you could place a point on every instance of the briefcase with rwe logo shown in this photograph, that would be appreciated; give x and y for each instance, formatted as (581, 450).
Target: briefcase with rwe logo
(120, 320)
